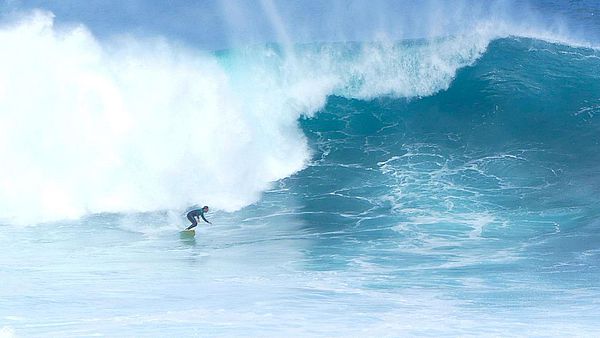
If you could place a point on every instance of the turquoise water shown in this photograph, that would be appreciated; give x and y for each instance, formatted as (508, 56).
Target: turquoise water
(436, 186)
(469, 211)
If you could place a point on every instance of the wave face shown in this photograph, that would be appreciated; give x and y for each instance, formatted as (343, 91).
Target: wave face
(514, 137)
(499, 168)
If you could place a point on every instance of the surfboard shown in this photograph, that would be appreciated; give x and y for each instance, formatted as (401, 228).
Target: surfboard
(190, 232)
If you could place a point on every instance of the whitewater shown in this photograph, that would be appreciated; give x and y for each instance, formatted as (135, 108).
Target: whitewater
(442, 185)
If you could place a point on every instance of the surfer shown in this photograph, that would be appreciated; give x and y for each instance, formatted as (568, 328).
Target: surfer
(194, 217)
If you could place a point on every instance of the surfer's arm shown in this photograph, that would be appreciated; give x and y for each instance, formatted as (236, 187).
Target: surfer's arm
(205, 220)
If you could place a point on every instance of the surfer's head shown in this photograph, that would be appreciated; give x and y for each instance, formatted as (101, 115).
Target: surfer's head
(205, 208)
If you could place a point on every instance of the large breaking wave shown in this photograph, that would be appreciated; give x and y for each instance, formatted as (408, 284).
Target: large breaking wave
(131, 125)
(141, 125)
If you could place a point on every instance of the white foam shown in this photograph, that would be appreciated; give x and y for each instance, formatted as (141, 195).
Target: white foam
(135, 125)
(7, 332)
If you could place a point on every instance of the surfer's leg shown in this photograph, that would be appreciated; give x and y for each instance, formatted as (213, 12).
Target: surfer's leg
(193, 220)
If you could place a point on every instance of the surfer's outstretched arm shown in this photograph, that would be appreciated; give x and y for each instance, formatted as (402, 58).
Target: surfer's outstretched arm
(205, 220)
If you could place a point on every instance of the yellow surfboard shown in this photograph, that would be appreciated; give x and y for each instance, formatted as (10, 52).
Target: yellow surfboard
(188, 233)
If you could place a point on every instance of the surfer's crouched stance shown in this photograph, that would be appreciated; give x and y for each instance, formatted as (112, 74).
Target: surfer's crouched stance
(194, 217)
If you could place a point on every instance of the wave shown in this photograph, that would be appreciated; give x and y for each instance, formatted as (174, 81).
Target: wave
(507, 152)
(139, 125)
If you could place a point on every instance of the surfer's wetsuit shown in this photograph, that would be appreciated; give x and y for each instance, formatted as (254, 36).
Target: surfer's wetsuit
(192, 217)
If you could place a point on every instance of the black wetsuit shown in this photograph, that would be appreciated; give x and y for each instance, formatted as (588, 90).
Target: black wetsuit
(192, 217)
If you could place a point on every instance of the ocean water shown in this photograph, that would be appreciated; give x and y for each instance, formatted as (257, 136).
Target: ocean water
(440, 186)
